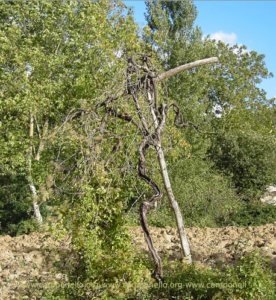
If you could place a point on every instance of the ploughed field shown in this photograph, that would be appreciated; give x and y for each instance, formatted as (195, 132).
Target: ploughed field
(30, 258)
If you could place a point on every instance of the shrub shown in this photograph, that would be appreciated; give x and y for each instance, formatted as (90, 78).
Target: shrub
(248, 158)
(15, 205)
(205, 197)
(101, 244)
(253, 215)
(251, 279)
(253, 270)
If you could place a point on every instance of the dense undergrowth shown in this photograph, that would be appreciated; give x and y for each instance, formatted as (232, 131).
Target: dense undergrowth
(250, 278)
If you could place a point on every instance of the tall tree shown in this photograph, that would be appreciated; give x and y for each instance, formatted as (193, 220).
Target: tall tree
(230, 86)
(56, 57)
(226, 95)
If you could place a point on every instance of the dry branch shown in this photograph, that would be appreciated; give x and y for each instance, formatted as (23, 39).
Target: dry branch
(186, 67)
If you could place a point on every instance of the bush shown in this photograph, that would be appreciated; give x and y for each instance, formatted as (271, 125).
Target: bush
(205, 197)
(102, 246)
(251, 279)
(253, 270)
(254, 215)
(248, 158)
(15, 204)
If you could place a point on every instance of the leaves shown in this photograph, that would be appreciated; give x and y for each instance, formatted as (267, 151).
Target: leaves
(50, 54)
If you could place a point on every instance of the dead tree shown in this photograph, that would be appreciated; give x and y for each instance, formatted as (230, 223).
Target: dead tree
(152, 120)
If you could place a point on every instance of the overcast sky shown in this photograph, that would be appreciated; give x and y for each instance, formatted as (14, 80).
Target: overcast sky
(250, 23)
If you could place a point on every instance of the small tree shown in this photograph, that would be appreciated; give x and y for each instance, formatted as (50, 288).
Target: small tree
(141, 87)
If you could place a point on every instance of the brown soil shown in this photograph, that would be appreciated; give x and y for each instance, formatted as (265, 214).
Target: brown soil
(30, 258)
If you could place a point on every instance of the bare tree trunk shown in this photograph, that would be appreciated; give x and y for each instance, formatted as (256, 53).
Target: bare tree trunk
(178, 216)
(35, 205)
(30, 180)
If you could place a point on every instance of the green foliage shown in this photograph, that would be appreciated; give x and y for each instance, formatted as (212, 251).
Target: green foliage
(177, 42)
(13, 205)
(232, 91)
(61, 57)
(205, 197)
(251, 278)
(248, 278)
(102, 245)
(251, 214)
(223, 96)
(24, 227)
(227, 86)
(16, 205)
(248, 158)
(254, 270)
(56, 58)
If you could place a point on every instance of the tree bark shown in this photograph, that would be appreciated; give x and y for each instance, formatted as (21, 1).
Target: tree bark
(186, 67)
(178, 216)
(30, 180)
(146, 206)
(177, 212)
(42, 141)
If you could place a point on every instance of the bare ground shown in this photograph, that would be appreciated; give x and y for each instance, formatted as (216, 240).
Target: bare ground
(31, 258)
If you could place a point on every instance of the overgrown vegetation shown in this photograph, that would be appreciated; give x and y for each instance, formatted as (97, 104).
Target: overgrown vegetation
(58, 59)
(247, 157)
(250, 214)
(251, 278)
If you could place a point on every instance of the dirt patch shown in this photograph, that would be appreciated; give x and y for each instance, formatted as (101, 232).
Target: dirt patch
(30, 258)
(213, 245)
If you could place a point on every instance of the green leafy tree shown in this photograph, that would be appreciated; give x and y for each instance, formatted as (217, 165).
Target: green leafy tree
(56, 57)
(228, 90)
(223, 98)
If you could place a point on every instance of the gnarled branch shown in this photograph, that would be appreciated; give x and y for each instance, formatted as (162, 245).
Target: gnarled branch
(178, 121)
(146, 81)
(146, 206)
